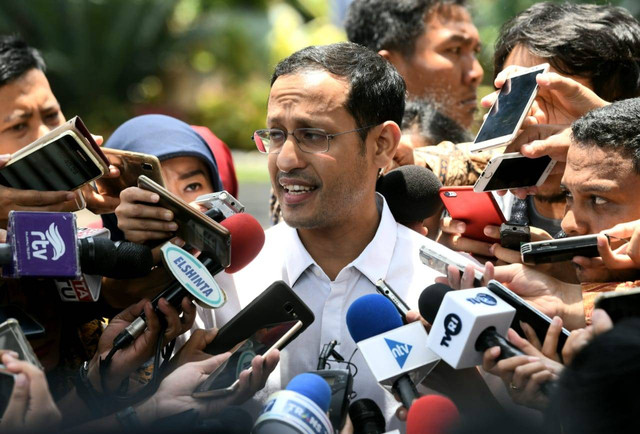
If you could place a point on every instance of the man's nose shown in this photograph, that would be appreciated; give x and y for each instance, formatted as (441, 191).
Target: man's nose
(290, 156)
(572, 225)
(474, 73)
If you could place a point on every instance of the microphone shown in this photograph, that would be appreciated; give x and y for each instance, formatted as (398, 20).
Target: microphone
(396, 354)
(366, 417)
(46, 244)
(247, 239)
(432, 414)
(465, 323)
(299, 409)
(412, 193)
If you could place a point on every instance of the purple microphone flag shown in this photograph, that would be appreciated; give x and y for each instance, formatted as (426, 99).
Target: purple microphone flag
(44, 244)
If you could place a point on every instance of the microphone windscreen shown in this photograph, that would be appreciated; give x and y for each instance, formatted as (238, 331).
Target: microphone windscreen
(366, 417)
(431, 299)
(247, 239)
(313, 387)
(371, 315)
(412, 193)
(133, 260)
(432, 414)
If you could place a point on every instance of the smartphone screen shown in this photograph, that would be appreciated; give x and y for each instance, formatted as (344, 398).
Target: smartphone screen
(256, 345)
(517, 172)
(61, 165)
(506, 112)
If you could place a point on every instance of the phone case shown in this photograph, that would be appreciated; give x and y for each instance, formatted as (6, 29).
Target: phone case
(527, 313)
(194, 227)
(277, 303)
(131, 165)
(439, 257)
(66, 158)
(476, 210)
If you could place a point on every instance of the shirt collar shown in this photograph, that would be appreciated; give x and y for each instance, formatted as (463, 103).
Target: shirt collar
(373, 262)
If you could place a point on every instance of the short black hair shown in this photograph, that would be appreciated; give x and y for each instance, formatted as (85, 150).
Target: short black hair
(616, 126)
(390, 24)
(376, 89)
(422, 116)
(597, 42)
(16, 58)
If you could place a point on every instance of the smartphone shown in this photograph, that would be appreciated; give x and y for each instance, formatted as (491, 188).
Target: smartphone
(198, 230)
(7, 379)
(476, 210)
(12, 338)
(388, 292)
(564, 249)
(527, 313)
(131, 165)
(272, 320)
(64, 159)
(620, 305)
(513, 170)
(28, 324)
(439, 257)
(224, 380)
(222, 201)
(509, 110)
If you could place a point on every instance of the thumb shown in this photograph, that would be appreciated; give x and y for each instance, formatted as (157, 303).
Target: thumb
(14, 415)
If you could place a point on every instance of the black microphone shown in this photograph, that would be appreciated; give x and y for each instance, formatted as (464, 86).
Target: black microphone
(412, 193)
(101, 256)
(366, 417)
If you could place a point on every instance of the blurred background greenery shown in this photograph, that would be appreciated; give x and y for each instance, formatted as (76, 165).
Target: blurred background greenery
(207, 62)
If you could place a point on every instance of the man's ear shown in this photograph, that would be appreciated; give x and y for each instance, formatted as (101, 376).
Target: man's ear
(386, 143)
(396, 59)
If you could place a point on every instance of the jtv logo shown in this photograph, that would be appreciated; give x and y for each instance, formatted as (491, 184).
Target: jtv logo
(40, 243)
(399, 350)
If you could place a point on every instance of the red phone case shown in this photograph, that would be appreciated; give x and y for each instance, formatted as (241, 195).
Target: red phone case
(477, 210)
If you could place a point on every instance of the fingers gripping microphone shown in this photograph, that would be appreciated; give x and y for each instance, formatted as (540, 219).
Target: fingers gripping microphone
(465, 323)
(396, 354)
(194, 279)
(412, 193)
(432, 414)
(299, 409)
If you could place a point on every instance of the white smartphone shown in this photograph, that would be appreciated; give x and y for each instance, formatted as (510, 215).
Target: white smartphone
(509, 110)
(439, 257)
(513, 170)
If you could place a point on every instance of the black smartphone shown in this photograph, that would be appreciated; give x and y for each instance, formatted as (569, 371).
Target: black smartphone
(564, 249)
(620, 305)
(29, 325)
(527, 313)
(385, 290)
(276, 304)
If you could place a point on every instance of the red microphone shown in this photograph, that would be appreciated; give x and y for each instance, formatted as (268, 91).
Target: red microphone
(432, 414)
(247, 239)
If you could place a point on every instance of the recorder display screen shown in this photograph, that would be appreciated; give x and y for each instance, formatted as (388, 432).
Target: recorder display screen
(507, 110)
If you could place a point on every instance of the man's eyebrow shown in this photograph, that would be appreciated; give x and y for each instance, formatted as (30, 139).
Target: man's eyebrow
(459, 37)
(191, 174)
(588, 188)
(19, 115)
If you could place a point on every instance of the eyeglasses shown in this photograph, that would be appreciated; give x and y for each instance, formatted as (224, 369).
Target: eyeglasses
(311, 140)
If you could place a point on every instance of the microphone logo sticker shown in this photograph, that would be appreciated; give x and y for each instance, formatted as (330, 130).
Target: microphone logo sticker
(482, 298)
(399, 350)
(452, 326)
(41, 241)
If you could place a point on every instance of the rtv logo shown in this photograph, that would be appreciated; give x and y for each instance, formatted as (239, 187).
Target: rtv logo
(40, 243)
(399, 350)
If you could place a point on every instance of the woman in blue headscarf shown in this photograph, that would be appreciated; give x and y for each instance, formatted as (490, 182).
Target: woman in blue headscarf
(189, 169)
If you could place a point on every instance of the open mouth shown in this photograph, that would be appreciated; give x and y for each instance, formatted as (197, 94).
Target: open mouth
(297, 189)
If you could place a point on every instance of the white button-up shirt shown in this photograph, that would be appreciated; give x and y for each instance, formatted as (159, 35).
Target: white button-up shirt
(393, 255)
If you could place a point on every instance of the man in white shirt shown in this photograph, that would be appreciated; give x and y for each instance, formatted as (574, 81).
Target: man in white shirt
(333, 116)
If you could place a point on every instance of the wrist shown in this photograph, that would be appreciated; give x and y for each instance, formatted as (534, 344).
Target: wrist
(147, 411)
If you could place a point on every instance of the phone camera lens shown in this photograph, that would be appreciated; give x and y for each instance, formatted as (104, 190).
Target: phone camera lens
(450, 194)
(288, 307)
(147, 166)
